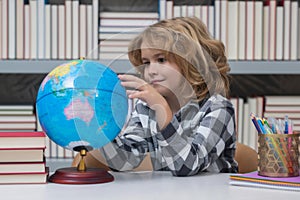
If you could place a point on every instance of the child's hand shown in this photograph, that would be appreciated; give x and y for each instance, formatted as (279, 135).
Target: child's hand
(140, 89)
(144, 91)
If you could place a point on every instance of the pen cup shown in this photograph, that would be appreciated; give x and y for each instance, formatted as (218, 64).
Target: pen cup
(278, 155)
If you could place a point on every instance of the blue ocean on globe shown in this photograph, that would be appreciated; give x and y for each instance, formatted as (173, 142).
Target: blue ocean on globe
(81, 104)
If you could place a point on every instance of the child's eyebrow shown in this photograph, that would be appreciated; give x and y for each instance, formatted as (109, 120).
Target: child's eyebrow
(154, 56)
(158, 55)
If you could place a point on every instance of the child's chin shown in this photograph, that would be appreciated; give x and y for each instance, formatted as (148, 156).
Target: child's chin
(162, 90)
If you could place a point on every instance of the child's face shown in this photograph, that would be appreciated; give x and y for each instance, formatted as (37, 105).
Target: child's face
(163, 74)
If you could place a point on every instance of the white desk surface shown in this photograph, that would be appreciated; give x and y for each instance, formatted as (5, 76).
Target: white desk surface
(144, 186)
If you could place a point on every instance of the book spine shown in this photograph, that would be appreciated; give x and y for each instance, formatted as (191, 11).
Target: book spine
(11, 29)
(272, 30)
(287, 27)
(258, 30)
(61, 32)
(75, 29)
(241, 30)
(232, 46)
(294, 29)
(224, 24)
(1, 30)
(218, 19)
(298, 39)
(54, 31)
(250, 20)
(169, 10)
(33, 29)
(48, 31)
(211, 18)
(89, 31)
(266, 29)
(68, 29)
(95, 17)
(279, 30)
(4, 31)
(41, 29)
(19, 30)
(82, 30)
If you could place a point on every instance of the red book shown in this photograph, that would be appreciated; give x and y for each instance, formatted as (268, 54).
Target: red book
(24, 178)
(13, 140)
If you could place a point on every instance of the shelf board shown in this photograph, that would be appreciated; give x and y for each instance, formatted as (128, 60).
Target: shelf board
(45, 66)
(265, 67)
(123, 66)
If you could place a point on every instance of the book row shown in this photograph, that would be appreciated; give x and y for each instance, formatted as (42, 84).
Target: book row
(40, 30)
(250, 30)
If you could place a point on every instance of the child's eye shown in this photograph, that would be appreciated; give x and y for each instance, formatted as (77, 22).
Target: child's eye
(146, 63)
(161, 60)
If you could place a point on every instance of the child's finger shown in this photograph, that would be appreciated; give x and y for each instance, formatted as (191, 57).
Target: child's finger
(133, 84)
(129, 92)
(127, 77)
(130, 85)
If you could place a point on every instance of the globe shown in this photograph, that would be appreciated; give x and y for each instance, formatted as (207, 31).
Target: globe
(81, 104)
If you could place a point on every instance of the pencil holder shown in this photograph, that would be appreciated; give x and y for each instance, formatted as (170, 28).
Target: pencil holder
(278, 155)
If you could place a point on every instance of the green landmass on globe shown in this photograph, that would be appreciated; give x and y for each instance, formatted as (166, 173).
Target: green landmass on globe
(81, 104)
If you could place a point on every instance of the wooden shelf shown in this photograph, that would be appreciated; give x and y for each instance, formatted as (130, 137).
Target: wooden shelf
(123, 66)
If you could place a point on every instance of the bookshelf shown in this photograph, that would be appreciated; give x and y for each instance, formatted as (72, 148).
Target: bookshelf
(124, 66)
(250, 75)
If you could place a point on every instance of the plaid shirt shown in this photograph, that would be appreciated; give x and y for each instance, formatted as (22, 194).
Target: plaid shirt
(200, 137)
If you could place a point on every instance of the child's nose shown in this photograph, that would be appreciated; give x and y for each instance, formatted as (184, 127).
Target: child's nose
(153, 68)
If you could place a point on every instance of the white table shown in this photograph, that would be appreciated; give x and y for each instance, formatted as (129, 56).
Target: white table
(144, 186)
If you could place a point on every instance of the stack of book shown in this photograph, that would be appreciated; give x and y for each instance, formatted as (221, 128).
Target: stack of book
(22, 158)
(118, 28)
(17, 118)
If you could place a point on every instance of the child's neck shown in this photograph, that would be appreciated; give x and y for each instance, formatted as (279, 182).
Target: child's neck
(174, 104)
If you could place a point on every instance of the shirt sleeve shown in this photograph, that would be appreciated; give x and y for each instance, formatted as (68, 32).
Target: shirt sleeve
(188, 151)
(128, 150)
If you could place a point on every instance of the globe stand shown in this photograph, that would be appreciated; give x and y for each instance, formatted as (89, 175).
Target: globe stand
(81, 174)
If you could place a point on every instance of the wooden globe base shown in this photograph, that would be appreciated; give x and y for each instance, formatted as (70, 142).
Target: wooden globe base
(71, 175)
(81, 174)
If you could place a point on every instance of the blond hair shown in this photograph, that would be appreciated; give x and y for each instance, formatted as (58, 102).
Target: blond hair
(187, 41)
